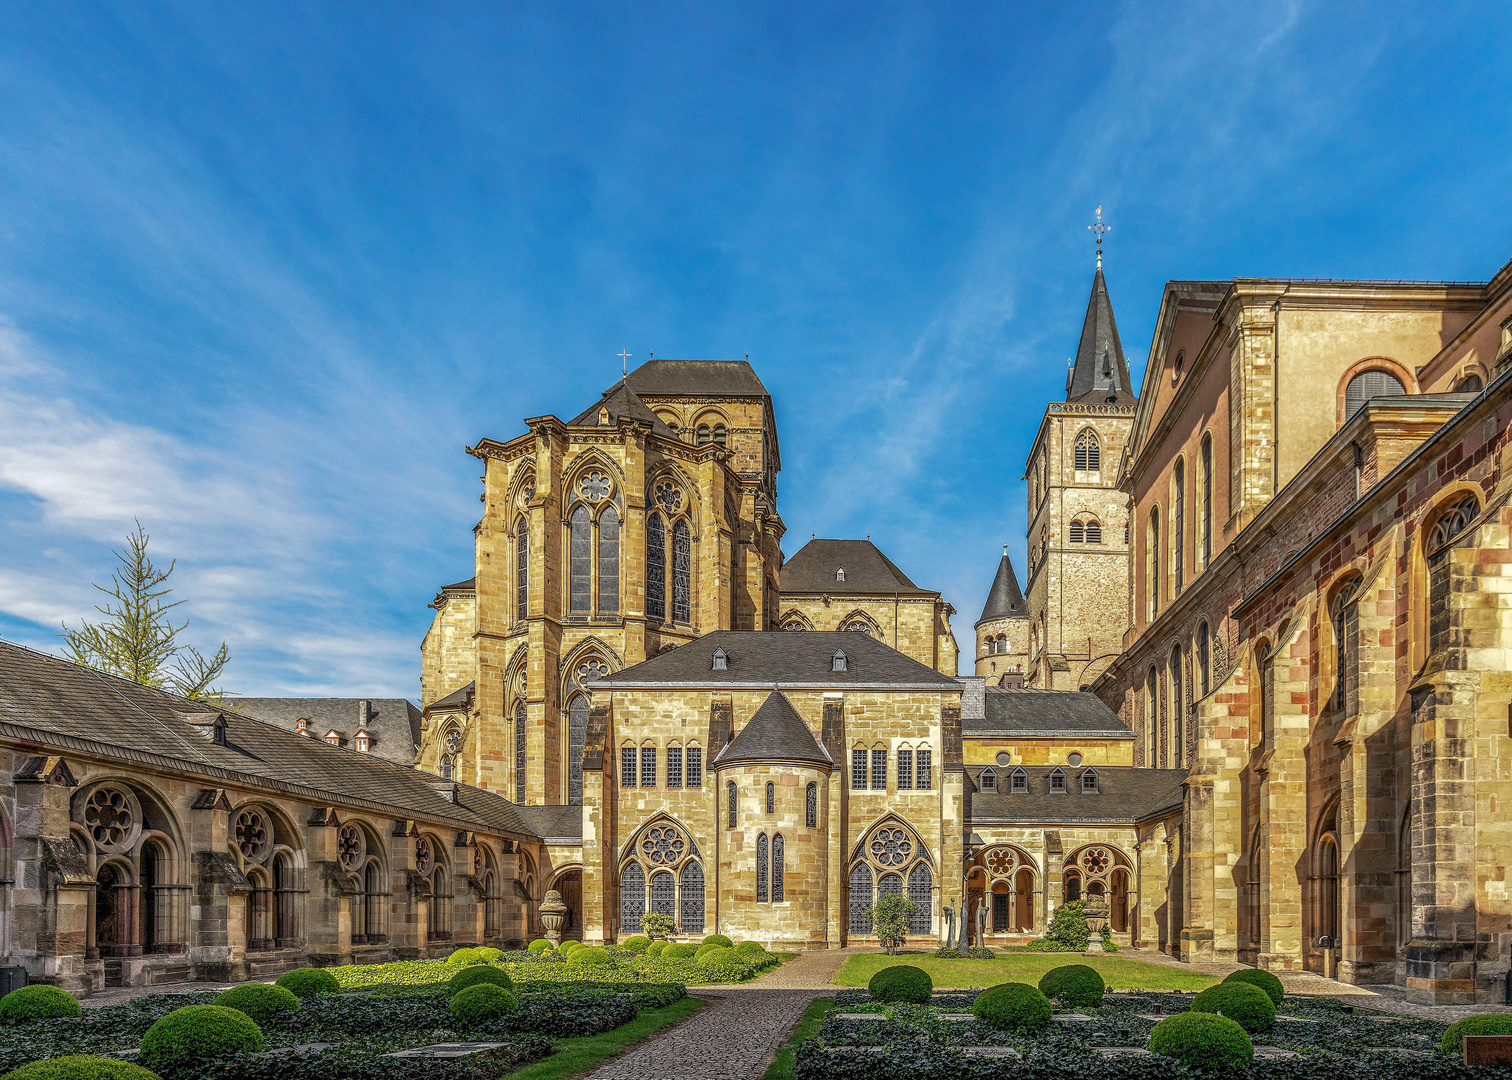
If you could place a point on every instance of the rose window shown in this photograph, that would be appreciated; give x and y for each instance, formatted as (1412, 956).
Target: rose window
(592, 669)
(349, 846)
(891, 847)
(1096, 860)
(594, 486)
(1000, 861)
(108, 815)
(663, 846)
(668, 496)
(477, 862)
(422, 855)
(528, 491)
(251, 835)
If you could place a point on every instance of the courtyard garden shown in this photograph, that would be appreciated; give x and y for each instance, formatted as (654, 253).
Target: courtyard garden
(476, 1015)
(1022, 965)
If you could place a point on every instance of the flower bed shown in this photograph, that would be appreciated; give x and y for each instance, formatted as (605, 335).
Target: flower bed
(1337, 1044)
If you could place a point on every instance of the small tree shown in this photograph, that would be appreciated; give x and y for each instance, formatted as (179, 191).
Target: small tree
(1068, 926)
(137, 639)
(656, 925)
(890, 917)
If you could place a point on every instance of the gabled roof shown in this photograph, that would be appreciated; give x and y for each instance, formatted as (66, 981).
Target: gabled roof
(457, 699)
(1100, 373)
(393, 723)
(814, 569)
(1045, 712)
(1005, 599)
(1124, 794)
(620, 400)
(775, 733)
(772, 659)
(696, 378)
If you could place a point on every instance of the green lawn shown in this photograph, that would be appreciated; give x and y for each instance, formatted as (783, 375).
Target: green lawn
(574, 1056)
(1120, 973)
(782, 1065)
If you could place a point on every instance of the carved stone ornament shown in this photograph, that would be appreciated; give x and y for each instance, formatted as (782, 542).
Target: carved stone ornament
(553, 915)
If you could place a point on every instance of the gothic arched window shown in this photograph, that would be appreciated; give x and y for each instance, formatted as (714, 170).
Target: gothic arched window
(580, 560)
(1453, 520)
(691, 899)
(777, 854)
(663, 893)
(522, 570)
(656, 569)
(519, 720)
(761, 869)
(860, 899)
(1367, 385)
(1346, 628)
(771, 798)
(608, 560)
(730, 790)
(577, 730)
(632, 897)
(921, 892)
(1088, 452)
(682, 573)
(811, 806)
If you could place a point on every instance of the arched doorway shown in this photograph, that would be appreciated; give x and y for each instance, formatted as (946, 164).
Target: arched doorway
(1023, 901)
(570, 885)
(1118, 902)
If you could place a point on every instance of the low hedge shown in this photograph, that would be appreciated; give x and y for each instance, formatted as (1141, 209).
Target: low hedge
(1453, 1041)
(37, 1002)
(1249, 1005)
(678, 952)
(638, 943)
(259, 1001)
(81, 1067)
(355, 1063)
(1074, 985)
(591, 956)
(901, 983)
(1203, 1041)
(308, 982)
(482, 1002)
(1014, 1007)
(1262, 979)
(181, 1043)
(477, 975)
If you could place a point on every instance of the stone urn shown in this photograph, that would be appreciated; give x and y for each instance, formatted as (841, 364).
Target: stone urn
(1095, 908)
(553, 915)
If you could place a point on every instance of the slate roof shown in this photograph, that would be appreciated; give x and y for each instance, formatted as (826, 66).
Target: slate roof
(1005, 599)
(457, 699)
(812, 570)
(70, 709)
(620, 400)
(779, 659)
(1045, 712)
(554, 822)
(394, 723)
(775, 733)
(1125, 795)
(689, 378)
(1100, 373)
(470, 585)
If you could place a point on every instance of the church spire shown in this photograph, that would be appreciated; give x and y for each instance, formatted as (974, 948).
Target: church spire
(1004, 599)
(1099, 373)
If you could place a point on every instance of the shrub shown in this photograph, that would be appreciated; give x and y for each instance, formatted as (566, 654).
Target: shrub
(308, 982)
(259, 1001)
(901, 983)
(655, 948)
(714, 954)
(567, 948)
(678, 952)
(1263, 979)
(1453, 1041)
(749, 947)
(81, 1067)
(477, 974)
(890, 917)
(468, 955)
(487, 954)
(718, 939)
(1203, 1041)
(706, 948)
(1250, 1006)
(1076, 985)
(1015, 1007)
(481, 1002)
(654, 925)
(591, 956)
(947, 952)
(1068, 928)
(185, 1039)
(39, 1002)
(540, 944)
(638, 943)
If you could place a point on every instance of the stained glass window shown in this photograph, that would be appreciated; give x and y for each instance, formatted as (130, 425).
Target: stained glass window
(664, 894)
(858, 770)
(891, 847)
(761, 869)
(695, 766)
(648, 766)
(674, 766)
(771, 798)
(879, 770)
(924, 778)
(627, 766)
(632, 897)
(682, 573)
(522, 570)
(608, 561)
(580, 558)
(889, 885)
(663, 846)
(777, 846)
(594, 486)
(811, 806)
(860, 899)
(656, 569)
(520, 752)
(730, 787)
(921, 892)
(577, 731)
(691, 917)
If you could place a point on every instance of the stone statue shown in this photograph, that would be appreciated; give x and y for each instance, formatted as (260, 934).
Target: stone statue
(981, 921)
(949, 922)
(961, 942)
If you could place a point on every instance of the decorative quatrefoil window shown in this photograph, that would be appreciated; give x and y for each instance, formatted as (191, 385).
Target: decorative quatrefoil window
(1096, 860)
(252, 835)
(1001, 862)
(668, 497)
(349, 847)
(453, 740)
(109, 818)
(422, 855)
(663, 845)
(891, 847)
(527, 492)
(477, 862)
(592, 669)
(594, 486)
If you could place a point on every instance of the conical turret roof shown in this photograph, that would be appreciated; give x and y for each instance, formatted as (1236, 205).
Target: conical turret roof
(1100, 374)
(775, 733)
(1005, 599)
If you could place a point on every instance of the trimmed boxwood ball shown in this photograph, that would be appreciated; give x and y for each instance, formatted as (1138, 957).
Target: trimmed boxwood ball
(716, 954)
(468, 955)
(186, 1038)
(482, 1002)
(638, 943)
(258, 1000)
(540, 944)
(656, 948)
(1015, 1007)
(1203, 1040)
(902, 983)
(567, 948)
(487, 954)
(308, 982)
(706, 948)
(1250, 1006)
(677, 952)
(1453, 1041)
(476, 975)
(591, 956)
(80, 1067)
(717, 939)
(1263, 979)
(749, 947)
(1076, 985)
(39, 1002)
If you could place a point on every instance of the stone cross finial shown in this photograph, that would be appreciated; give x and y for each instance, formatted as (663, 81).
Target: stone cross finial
(1098, 228)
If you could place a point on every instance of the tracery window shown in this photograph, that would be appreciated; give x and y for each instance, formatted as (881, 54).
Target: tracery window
(777, 854)
(891, 847)
(761, 869)
(664, 893)
(811, 806)
(663, 845)
(730, 789)
(1178, 525)
(682, 573)
(921, 892)
(1453, 520)
(771, 797)
(522, 570)
(608, 561)
(577, 733)
(690, 902)
(860, 626)
(1346, 627)
(1367, 385)
(519, 723)
(1088, 452)
(632, 897)
(860, 921)
(580, 557)
(656, 569)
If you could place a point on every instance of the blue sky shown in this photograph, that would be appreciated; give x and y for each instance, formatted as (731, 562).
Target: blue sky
(266, 269)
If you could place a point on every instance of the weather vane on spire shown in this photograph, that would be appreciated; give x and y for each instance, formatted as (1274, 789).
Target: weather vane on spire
(1098, 228)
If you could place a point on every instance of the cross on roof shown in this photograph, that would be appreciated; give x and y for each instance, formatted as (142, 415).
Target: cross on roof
(624, 356)
(1098, 228)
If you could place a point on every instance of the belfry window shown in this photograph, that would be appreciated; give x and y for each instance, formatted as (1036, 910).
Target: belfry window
(1088, 452)
(1094, 532)
(1078, 532)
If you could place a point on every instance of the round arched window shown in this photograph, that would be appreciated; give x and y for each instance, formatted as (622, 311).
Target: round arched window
(1367, 385)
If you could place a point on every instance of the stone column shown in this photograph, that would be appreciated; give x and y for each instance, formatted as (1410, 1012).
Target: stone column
(1283, 805)
(1197, 926)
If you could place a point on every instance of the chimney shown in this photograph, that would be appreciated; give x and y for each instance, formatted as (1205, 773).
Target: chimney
(364, 713)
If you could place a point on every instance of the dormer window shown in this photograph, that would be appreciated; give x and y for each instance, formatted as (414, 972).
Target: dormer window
(1089, 781)
(840, 575)
(721, 661)
(302, 726)
(333, 737)
(1018, 780)
(1057, 780)
(603, 417)
(987, 780)
(837, 662)
(362, 741)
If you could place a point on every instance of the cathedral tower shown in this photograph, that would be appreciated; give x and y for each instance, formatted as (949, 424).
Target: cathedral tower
(1002, 633)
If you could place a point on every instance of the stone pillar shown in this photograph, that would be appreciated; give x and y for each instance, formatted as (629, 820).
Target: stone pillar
(53, 888)
(1283, 805)
(1197, 926)
(599, 800)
